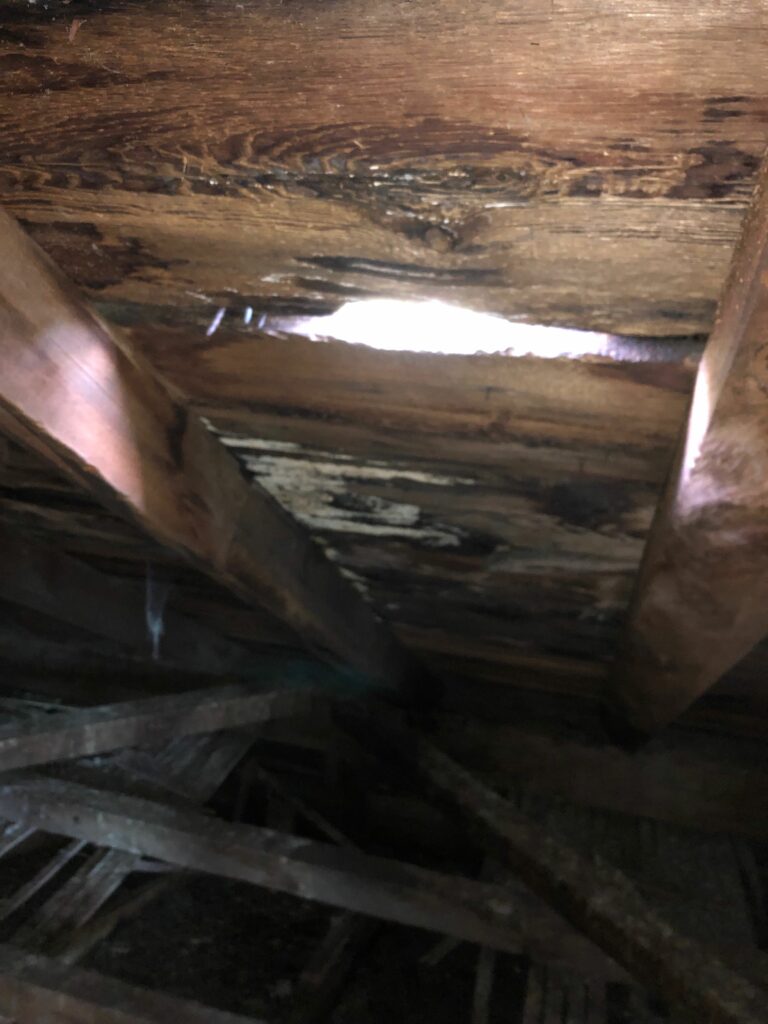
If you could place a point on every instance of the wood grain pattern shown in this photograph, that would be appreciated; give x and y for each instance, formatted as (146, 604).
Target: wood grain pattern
(566, 161)
(96, 411)
(701, 598)
(493, 507)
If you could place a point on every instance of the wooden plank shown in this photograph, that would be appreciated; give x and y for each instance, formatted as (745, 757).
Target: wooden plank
(505, 916)
(68, 922)
(593, 895)
(87, 731)
(564, 161)
(68, 590)
(35, 989)
(70, 390)
(702, 597)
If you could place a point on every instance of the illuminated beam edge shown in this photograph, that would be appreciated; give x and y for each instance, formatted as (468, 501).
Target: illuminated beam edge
(72, 391)
(701, 601)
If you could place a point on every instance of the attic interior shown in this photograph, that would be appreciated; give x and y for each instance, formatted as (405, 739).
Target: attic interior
(383, 511)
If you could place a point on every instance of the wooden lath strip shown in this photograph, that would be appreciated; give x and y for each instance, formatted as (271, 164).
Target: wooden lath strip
(505, 916)
(87, 731)
(72, 391)
(68, 922)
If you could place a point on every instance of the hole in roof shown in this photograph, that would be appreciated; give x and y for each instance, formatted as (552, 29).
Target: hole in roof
(400, 325)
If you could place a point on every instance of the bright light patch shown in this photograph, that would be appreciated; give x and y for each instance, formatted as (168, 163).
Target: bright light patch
(410, 326)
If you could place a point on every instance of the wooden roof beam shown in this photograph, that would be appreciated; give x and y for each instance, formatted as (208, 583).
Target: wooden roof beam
(72, 390)
(83, 732)
(595, 897)
(701, 601)
(505, 917)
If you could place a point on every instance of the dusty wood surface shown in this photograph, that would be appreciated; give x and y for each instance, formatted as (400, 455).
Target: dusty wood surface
(151, 720)
(48, 581)
(504, 917)
(701, 597)
(96, 411)
(564, 161)
(596, 897)
(34, 989)
(68, 922)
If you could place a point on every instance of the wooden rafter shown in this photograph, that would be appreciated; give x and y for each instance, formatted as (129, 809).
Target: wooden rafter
(70, 390)
(35, 988)
(505, 916)
(87, 731)
(46, 580)
(594, 896)
(701, 602)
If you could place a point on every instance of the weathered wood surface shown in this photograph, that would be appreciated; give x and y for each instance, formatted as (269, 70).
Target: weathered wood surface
(504, 917)
(71, 390)
(592, 894)
(68, 922)
(48, 581)
(701, 601)
(85, 732)
(497, 505)
(36, 989)
(565, 161)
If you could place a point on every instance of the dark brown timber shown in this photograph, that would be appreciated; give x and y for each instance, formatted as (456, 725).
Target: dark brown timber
(40, 577)
(87, 731)
(34, 989)
(69, 389)
(595, 897)
(701, 601)
(505, 916)
(575, 161)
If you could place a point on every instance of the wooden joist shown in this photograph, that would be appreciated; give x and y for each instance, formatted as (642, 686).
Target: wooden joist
(701, 601)
(504, 917)
(46, 580)
(68, 923)
(86, 731)
(594, 896)
(35, 989)
(71, 391)
(573, 161)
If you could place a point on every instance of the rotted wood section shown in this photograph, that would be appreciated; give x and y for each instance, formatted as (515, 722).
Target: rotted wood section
(566, 161)
(701, 601)
(492, 507)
